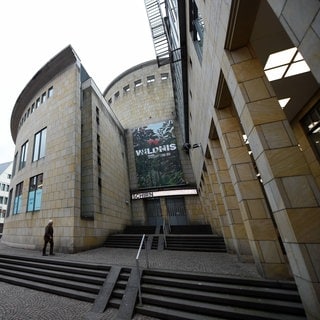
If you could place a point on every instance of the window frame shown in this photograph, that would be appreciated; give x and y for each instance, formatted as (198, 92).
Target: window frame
(23, 155)
(35, 193)
(39, 145)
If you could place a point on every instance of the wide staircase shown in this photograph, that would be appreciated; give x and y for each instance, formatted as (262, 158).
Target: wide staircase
(81, 281)
(164, 294)
(180, 238)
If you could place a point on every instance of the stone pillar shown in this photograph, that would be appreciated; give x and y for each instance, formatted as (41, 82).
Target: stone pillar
(238, 233)
(288, 183)
(213, 213)
(262, 234)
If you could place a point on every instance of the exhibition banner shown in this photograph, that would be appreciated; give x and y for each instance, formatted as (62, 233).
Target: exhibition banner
(156, 155)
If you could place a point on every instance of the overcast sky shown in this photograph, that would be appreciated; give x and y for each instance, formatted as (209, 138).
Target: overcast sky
(109, 36)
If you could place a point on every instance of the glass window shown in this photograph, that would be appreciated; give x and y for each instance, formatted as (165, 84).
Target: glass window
(39, 148)
(126, 88)
(50, 92)
(23, 155)
(18, 198)
(164, 76)
(43, 97)
(9, 203)
(196, 28)
(35, 193)
(38, 103)
(1, 200)
(150, 79)
(14, 164)
(138, 83)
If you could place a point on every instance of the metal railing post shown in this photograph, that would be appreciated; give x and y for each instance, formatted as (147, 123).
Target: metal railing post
(138, 266)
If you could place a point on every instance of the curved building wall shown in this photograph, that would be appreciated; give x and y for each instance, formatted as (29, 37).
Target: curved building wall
(140, 97)
(63, 168)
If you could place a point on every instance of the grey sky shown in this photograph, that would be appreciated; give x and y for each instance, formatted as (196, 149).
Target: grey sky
(109, 37)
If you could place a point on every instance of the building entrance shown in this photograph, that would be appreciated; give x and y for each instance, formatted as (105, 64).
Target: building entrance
(176, 211)
(153, 208)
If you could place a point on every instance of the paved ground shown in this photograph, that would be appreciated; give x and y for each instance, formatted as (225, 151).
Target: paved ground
(18, 303)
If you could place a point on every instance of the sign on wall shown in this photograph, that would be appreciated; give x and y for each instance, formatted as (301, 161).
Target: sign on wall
(156, 155)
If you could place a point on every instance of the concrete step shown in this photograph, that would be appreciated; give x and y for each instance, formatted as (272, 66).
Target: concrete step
(66, 278)
(61, 291)
(230, 288)
(275, 305)
(176, 295)
(204, 309)
(165, 313)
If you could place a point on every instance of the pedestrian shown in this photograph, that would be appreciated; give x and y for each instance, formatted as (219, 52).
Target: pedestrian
(48, 237)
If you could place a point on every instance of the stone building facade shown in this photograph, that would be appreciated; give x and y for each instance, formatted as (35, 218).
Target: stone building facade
(70, 161)
(238, 63)
(140, 97)
(76, 159)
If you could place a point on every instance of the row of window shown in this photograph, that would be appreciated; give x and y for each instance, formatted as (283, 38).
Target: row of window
(138, 83)
(36, 104)
(4, 187)
(4, 200)
(34, 195)
(39, 150)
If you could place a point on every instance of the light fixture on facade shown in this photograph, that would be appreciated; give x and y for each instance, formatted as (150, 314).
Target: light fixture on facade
(187, 146)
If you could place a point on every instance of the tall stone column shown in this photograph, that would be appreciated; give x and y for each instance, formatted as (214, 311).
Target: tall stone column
(262, 234)
(208, 199)
(238, 233)
(287, 180)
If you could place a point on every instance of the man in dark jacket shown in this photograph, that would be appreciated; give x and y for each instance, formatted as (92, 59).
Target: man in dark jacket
(48, 237)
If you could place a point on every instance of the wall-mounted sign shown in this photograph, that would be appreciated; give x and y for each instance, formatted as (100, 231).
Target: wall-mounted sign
(156, 154)
(165, 193)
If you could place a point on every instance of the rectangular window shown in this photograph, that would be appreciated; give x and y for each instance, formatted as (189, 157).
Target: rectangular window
(1, 200)
(35, 193)
(32, 108)
(50, 92)
(138, 83)
(43, 97)
(39, 148)
(150, 79)
(9, 203)
(14, 164)
(196, 28)
(38, 103)
(23, 155)
(164, 76)
(18, 198)
(126, 88)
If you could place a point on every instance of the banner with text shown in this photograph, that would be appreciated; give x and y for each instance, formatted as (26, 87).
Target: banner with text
(156, 154)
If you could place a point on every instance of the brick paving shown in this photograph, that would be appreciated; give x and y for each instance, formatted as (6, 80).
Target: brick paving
(19, 303)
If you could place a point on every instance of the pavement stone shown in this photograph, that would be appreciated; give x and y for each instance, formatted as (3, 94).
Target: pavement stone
(19, 303)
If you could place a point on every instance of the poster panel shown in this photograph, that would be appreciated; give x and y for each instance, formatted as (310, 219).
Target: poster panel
(157, 156)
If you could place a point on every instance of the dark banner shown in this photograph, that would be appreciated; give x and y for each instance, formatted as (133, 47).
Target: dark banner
(157, 157)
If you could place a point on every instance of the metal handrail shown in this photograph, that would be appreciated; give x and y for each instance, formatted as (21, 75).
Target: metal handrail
(164, 230)
(138, 266)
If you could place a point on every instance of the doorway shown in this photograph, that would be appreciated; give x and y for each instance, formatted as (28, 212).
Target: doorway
(153, 208)
(176, 211)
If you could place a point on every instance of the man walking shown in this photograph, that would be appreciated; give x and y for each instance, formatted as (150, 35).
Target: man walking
(48, 237)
